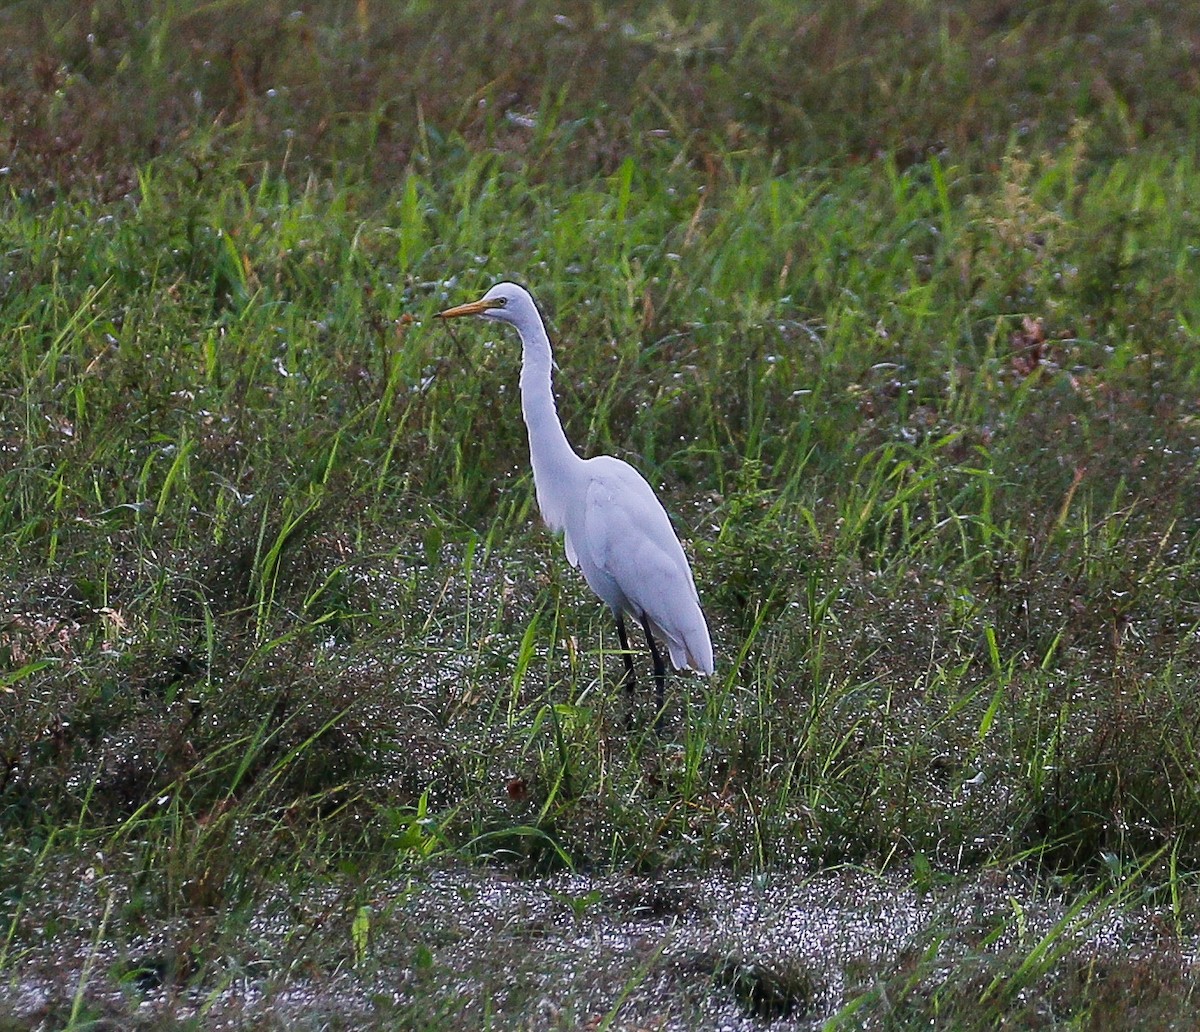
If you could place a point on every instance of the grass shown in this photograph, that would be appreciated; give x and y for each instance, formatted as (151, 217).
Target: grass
(897, 311)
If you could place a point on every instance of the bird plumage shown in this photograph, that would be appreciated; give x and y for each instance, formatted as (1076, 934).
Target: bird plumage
(633, 560)
(615, 530)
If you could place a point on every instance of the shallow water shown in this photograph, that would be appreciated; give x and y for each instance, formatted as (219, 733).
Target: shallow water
(462, 947)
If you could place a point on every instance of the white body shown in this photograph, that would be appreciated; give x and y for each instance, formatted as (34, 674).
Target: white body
(614, 528)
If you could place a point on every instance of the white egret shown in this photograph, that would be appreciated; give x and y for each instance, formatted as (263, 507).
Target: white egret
(614, 528)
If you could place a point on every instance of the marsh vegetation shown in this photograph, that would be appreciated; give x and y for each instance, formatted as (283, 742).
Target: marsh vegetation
(304, 721)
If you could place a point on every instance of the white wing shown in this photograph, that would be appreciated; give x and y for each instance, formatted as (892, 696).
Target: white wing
(631, 558)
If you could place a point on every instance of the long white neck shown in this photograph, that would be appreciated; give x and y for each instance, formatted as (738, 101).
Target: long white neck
(549, 450)
(555, 464)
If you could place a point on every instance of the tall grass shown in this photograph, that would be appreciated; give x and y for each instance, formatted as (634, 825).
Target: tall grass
(917, 390)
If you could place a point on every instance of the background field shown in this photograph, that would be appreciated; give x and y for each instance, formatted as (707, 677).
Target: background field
(305, 723)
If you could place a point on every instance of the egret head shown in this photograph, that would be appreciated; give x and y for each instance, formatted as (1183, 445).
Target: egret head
(505, 302)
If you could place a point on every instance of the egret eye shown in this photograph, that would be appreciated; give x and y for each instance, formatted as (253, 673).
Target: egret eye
(501, 301)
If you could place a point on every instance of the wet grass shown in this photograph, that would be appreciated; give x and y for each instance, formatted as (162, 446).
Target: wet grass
(898, 312)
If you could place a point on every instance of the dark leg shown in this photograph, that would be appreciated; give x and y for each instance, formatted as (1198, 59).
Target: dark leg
(660, 673)
(627, 653)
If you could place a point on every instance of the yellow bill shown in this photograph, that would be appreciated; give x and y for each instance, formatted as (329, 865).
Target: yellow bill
(474, 308)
